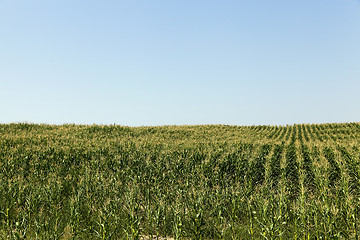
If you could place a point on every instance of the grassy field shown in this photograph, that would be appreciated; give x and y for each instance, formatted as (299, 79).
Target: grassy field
(180, 182)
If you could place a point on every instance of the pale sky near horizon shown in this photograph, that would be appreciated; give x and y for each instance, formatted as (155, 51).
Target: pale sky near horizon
(164, 62)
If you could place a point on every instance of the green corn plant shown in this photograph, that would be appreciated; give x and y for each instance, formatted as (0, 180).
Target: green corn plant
(335, 172)
(292, 170)
(308, 167)
(275, 167)
(353, 172)
(258, 167)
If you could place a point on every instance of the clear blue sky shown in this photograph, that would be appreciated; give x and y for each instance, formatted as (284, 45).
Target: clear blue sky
(141, 62)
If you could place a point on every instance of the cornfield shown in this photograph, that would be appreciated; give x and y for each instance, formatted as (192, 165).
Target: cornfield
(179, 182)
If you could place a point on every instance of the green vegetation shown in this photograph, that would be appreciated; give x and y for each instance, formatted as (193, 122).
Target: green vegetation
(179, 182)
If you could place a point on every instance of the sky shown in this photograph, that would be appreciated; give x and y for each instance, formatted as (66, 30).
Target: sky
(179, 62)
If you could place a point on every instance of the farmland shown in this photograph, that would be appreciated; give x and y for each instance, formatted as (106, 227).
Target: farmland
(180, 182)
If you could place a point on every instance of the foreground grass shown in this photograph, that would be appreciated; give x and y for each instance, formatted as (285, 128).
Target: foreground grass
(179, 182)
